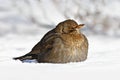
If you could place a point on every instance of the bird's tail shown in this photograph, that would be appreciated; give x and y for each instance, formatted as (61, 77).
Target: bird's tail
(26, 57)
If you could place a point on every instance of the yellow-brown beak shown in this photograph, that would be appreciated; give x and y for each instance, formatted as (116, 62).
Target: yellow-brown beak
(80, 26)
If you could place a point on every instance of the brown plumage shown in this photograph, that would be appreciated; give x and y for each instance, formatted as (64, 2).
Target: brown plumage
(63, 44)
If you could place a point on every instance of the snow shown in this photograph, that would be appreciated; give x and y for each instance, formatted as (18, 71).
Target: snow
(103, 60)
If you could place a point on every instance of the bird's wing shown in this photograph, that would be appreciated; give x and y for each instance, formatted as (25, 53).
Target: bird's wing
(45, 44)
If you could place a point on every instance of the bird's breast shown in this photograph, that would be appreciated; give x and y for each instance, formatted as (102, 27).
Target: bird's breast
(72, 40)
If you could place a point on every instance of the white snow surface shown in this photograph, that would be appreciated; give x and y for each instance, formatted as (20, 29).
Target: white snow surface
(103, 61)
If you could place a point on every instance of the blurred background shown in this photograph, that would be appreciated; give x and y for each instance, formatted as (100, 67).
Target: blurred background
(27, 17)
(24, 22)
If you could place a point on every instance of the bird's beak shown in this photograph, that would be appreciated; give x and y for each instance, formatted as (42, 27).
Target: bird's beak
(80, 26)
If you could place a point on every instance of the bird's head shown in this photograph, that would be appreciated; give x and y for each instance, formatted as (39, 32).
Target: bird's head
(68, 26)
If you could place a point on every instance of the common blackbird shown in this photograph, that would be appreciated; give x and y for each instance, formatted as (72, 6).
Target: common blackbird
(65, 43)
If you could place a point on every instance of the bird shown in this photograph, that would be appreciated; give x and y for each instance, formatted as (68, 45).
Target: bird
(63, 44)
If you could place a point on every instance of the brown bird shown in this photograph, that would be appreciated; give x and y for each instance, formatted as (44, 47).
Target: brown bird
(63, 44)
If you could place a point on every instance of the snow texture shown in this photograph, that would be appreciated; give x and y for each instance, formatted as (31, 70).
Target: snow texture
(103, 61)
